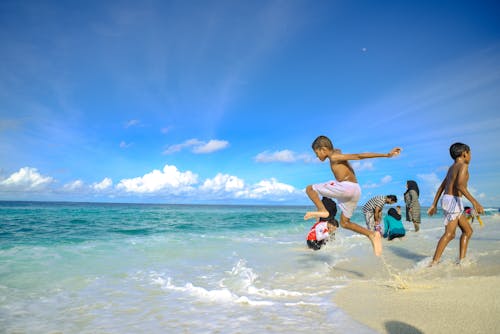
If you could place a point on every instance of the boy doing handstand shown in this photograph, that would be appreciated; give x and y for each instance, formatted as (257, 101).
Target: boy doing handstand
(325, 228)
(345, 188)
(453, 187)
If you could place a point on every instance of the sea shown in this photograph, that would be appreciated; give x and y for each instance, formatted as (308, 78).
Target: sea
(158, 268)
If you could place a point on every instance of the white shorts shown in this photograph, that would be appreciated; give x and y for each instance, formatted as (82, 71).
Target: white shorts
(452, 207)
(346, 193)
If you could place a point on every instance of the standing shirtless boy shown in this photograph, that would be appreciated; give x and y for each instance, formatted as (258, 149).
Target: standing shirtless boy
(453, 187)
(345, 188)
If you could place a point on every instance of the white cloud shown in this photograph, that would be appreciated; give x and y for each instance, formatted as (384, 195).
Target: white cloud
(269, 189)
(74, 185)
(272, 186)
(123, 144)
(132, 122)
(386, 179)
(223, 182)
(199, 147)
(106, 183)
(26, 179)
(431, 179)
(474, 192)
(168, 183)
(166, 129)
(282, 156)
(231, 186)
(169, 180)
(362, 165)
(212, 146)
(178, 147)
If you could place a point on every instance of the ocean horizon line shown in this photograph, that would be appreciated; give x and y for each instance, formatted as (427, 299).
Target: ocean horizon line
(157, 203)
(266, 205)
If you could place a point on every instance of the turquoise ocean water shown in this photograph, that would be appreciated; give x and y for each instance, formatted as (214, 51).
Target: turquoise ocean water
(131, 268)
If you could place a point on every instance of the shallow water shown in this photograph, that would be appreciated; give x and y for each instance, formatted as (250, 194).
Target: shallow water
(128, 268)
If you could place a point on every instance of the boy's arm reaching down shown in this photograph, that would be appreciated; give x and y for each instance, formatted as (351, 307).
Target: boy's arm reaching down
(462, 188)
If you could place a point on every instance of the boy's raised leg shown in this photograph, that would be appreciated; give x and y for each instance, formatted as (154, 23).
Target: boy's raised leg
(322, 211)
(376, 240)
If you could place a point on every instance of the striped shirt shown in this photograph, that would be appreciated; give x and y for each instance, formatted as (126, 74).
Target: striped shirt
(375, 202)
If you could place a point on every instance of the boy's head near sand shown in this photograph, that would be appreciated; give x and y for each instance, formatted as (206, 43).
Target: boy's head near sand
(331, 207)
(331, 223)
(458, 150)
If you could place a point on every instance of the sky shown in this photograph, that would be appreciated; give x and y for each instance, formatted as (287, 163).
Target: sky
(218, 102)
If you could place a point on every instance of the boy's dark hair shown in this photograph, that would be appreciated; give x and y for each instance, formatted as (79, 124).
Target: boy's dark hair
(457, 149)
(393, 198)
(322, 141)
(331, 207)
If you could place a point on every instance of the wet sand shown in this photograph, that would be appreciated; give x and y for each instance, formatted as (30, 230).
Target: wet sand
(398, 293)
(463, 305)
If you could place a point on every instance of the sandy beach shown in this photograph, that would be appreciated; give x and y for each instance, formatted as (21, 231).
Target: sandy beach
(400, 294)
(463, 305)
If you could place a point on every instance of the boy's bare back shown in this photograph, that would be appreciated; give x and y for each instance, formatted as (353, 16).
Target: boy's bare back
(456, 178)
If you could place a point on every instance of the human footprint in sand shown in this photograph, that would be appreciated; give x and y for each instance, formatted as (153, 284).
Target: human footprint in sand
(345, 188)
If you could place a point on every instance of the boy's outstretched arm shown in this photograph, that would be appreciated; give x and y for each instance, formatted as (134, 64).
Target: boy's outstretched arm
(359, 156)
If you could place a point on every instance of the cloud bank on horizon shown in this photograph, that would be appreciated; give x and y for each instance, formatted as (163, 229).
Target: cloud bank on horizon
(169, 184)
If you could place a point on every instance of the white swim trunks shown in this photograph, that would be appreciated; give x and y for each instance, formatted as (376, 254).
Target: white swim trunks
(452, 207)
(346, 193)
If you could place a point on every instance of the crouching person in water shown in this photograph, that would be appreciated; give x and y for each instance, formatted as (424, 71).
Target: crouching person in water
(325, 228)
(393, 226)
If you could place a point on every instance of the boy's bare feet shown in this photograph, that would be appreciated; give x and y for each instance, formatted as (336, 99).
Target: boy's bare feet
(433, 263)
(376, 240)
(316, 214)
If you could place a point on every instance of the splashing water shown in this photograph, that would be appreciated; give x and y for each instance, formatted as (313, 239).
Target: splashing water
(399, 281)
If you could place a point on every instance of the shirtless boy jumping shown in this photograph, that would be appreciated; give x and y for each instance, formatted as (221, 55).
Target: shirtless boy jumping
(345, 188)
(453, 187)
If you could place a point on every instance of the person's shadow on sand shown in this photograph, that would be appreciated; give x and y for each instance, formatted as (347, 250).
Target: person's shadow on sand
(405, 253)
(398, 327)
(337, 269)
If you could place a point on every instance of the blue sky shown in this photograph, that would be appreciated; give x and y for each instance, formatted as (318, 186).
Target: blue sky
(219, 101)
